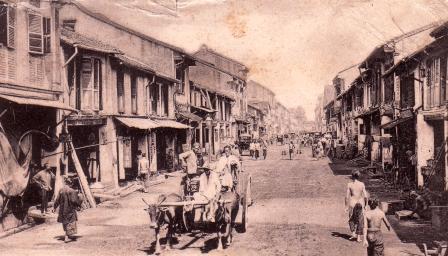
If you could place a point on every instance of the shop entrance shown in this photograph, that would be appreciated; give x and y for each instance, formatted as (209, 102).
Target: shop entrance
(85, 139)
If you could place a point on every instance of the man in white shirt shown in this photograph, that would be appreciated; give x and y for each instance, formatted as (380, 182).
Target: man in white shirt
(209, 189)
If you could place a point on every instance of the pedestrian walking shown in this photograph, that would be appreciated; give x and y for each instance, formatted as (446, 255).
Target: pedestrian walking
(355, 201)
(68, 201)
(265, 149)
(44, 180)
(143, 169)
(257, 150)
(252, 149)
(291, 148)
(373, 237)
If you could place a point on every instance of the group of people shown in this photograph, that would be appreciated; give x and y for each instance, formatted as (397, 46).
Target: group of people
(365, 222)
(215, 178)
(256, 147)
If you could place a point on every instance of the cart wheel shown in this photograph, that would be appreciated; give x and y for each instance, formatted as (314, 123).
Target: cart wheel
(245, 213)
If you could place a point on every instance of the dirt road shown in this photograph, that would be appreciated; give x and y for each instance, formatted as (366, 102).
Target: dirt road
(298, 210)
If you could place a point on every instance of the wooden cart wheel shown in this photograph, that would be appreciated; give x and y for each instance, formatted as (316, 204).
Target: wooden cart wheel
(245, 213)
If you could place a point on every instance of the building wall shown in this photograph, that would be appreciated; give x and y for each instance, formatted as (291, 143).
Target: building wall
(24, 73)
(157, 56)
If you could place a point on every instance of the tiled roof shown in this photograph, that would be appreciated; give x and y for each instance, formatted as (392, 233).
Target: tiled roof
(126, 60)
(73, 38)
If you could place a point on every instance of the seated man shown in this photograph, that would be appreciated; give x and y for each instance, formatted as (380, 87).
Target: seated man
(209, 188)
(421, 206)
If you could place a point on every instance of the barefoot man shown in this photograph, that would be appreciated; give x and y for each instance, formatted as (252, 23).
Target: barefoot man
(355, 202)
(373, 237)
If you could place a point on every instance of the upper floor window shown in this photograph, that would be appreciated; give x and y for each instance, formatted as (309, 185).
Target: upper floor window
(165, 99)
(91, 84)
(134, 93)
(180, 75)
(407, 92)
(154, 97)
(7, 25)
(39, 34)
(436, 81)
(120, 90)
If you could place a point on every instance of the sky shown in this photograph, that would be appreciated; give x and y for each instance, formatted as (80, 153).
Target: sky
(293, 47)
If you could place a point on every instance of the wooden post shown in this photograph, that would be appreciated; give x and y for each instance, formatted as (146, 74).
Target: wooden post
(82, 177)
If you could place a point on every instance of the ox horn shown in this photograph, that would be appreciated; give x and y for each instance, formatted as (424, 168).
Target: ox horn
(145, 201)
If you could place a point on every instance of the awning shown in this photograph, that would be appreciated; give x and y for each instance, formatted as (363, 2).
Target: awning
(371, 111)
(38, 102)
(190, 116)
(138, 123)
(395, 122)
(207, 110)
(148, 124)
(172, 124)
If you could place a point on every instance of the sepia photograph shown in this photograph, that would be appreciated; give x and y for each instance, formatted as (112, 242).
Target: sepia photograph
(224, 127)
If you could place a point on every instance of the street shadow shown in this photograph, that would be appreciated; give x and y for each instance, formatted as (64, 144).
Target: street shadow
(73, 238)
(339, 167)
(151, 250)
(210, 245)
(416, 231)
(341, 235)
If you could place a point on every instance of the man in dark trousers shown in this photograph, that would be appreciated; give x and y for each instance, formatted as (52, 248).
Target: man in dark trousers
(68, 201)
(44, 180)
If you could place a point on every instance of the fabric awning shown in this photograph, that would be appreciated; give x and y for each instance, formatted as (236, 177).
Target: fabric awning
(148, 124)
(395, 122)
(172, 124)
(138, 123)
(38, 102)
(207, 110)
(369, 112)
(190, 116)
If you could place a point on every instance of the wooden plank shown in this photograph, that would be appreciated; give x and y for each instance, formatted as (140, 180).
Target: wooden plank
(131, 190)
(82, 177)
(193, 202)
(104, 196)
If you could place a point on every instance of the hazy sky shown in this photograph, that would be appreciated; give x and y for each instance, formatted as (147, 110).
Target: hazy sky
(294, 47)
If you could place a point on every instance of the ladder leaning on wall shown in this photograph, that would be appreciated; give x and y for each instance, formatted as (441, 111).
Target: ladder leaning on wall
(437, 159)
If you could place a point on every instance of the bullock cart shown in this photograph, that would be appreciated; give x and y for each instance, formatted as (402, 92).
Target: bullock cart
(180, 213)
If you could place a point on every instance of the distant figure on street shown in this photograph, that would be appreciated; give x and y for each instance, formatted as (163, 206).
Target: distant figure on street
(68, 201)
(257, 150)
(373, 237)
(252, 149)
(264, 147)
(44, 180)
(355, 201)
(291, 148)
(143, 167)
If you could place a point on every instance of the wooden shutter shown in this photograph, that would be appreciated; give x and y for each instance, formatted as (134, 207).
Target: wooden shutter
(47, 34)
(86, 84)
(120, 90)
(35, 33)
(11, 29)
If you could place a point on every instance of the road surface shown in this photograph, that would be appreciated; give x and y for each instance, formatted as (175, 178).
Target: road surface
(298, 210)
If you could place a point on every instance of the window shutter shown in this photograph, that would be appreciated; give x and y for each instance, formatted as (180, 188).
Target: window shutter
(47, 34)
(35, 33)
(11, 30)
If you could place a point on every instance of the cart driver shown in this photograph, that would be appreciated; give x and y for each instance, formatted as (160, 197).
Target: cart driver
(209, 188)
